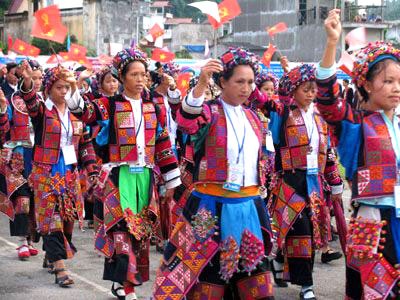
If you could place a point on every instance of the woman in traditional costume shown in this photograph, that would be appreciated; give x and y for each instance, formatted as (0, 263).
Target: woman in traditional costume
(369, 142)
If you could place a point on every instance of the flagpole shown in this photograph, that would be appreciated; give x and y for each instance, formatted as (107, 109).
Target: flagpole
(52, 49)
(279, 51)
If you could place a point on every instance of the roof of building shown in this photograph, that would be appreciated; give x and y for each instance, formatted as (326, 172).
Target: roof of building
(160, 4)
(14, 5)
(176, 21)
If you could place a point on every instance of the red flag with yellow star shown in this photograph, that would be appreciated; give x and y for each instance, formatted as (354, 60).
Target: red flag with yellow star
(267, 56)
(182, 83)
(162, 55)
(48, 25)
(280, 27)
(156, 31)
(77, 51)
(228, 10)
(24, 48)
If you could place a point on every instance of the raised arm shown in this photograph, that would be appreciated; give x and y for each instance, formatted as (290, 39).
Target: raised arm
(329, 102)
(4, 121)
(194, 114)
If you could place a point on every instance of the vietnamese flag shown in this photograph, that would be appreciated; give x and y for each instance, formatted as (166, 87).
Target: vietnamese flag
(182, 83)
(77, 51)
(54, 58)
(162, 55)
(280, 27)
(228, 10)
(156, 31)
(267, 56)
(24, 48)
(65, 56)
(57, 33)
(48, 17)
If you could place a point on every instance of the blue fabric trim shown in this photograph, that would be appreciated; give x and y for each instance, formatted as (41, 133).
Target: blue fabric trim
(324, 73)
(103, 135)
(394, 226)
(60, 166)
(380, 58)
(9, 113)
(275, 125)
(349, 147)
(237, 214)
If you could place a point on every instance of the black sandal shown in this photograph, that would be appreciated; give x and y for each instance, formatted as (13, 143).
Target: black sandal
(305, 292)
(48, 265)
(278, 281)
(64, 281)
(117, 291)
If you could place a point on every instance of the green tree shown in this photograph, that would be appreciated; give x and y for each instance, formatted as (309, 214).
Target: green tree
(4, 5)
(180, 9)
(46, 47)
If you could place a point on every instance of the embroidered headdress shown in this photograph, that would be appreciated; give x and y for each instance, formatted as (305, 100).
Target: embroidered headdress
(295, 77)
(370, 56)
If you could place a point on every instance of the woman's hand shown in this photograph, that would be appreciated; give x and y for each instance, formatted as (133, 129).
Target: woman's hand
(212, 66)
(3, 101)
(284, 63)
(333, 26)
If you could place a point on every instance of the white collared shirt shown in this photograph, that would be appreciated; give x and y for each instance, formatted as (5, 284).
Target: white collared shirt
(171, 124)
(248, 159)
(66, 124)
(140, 138)
(312, 129)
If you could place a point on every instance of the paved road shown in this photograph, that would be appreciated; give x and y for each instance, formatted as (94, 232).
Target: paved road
(27, 280)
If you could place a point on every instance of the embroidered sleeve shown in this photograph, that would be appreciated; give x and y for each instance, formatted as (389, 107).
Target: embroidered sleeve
(4, 126)
(265, 103)
(164, 155)
(332, 174)
(331, 105)
(193, 114)
(87, 155)
(33, 104)
(95, 110)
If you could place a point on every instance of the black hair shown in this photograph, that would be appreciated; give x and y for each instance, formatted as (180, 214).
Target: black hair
(81, 69)
(346, 80)
(373, 72)
(126, 67)
(11, 65)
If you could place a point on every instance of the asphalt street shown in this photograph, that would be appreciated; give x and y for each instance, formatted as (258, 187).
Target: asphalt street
(28, 280)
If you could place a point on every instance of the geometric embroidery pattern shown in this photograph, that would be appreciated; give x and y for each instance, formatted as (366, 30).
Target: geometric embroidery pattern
(288, 205)
(298, 246)
(381, 277)
(180, 271)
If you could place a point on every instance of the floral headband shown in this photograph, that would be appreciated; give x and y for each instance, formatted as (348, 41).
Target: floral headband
(51, 76)
(295, 77)
(370, 56)
(126, 56)
(171, 69)
(102, 73)
(265, 76)
(239, 56)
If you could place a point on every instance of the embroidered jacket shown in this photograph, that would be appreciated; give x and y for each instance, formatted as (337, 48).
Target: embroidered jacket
(365, 147)
(211, 156)
(293, 139)
(122, 138)
(47, 127)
